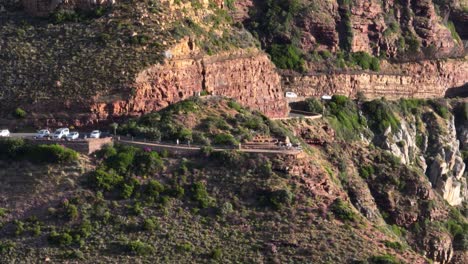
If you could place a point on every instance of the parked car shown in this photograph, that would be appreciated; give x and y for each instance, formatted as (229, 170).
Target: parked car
(73, 135)
(43, 133)
(61, 133)
(4, 133)
(95, 134)
(291, 95)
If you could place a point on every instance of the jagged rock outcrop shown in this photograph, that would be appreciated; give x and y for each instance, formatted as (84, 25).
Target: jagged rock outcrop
(398, 29)
(247, 76)
(438, 247)
(446, 167)
(425, 79)
(438, 153)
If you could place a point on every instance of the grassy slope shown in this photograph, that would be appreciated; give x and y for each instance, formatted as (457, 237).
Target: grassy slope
(255, 209)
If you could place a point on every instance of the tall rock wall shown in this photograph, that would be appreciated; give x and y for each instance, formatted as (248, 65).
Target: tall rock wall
(248, 76)
(426, 79)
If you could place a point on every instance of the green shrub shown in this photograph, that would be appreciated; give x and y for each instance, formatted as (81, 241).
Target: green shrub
(394, 244)
(51, 154)
(380, 116)
(139, 248)
(344, 117)
(154, 188)
(234, 105)
(314, 105)
(150, 224)
(225, 139)
(216, 254)
(366, 171)
(148, 162)
(121, 162)
(86, 228)
(201, 196)
(102, 180)
(287, 57)
(453, 31)
(72, 212)
(383, 259)
(106, 152)
(440, 108)
(126, 191)
(6, 247)
(280, 198)
(342, 211)
(20, 113)
(60, 239)
(185, 247)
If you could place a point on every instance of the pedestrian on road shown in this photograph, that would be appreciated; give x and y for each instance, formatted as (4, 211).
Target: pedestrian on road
(177, 141)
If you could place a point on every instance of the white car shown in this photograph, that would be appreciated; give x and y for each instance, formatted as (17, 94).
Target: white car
(61, 133)
(291, 95)
(43, 133)
(4, 133)
(73, 135)
(95, 134)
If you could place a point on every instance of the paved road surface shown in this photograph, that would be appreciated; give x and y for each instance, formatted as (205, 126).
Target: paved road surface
(182, 147)
(22, 135)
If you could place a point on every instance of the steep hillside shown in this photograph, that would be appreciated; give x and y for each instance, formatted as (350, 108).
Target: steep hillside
(80, 66)
(342, 200)
(336, 31)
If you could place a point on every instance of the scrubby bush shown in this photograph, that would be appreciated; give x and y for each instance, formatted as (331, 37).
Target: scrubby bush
(200, 195)
(345, 118)
(314, 105)
(343, 211)
(383, 259)
(18, 149)
(441, 108)
(280, 198)
(366, 171)
(154, 188)
(60, 239)
(103, 180)
(287, 57)
(139, 248)
(20, 113)
(148, 162)
(150, 224)
(50, 154)
(225, 139)
(394, 244)
(380, 116)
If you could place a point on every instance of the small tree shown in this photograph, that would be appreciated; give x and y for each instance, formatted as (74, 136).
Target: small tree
(19, 113)
(114, 126)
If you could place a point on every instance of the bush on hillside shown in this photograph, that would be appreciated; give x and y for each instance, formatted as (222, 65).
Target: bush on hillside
(345, 118)
(380, 116)
(343, 211)
(18, 149)
(314, 105)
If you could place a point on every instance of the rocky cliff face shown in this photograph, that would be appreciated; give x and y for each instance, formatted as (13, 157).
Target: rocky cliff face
(393, 28)
(431, 144)
(425, 79)
(247, 76)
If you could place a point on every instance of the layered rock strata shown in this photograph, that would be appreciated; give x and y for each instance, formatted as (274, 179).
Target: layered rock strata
(247, 76)
(426, 79)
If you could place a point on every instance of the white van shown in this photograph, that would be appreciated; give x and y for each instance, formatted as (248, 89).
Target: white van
(291, 95)
(61, 133)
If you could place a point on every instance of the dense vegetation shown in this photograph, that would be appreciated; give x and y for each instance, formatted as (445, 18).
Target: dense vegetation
(18, 149)
(210, 121)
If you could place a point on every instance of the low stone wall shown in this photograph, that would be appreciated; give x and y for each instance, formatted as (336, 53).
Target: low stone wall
(84, 146)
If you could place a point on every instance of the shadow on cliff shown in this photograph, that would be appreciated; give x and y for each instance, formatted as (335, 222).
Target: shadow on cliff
(461, 91)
